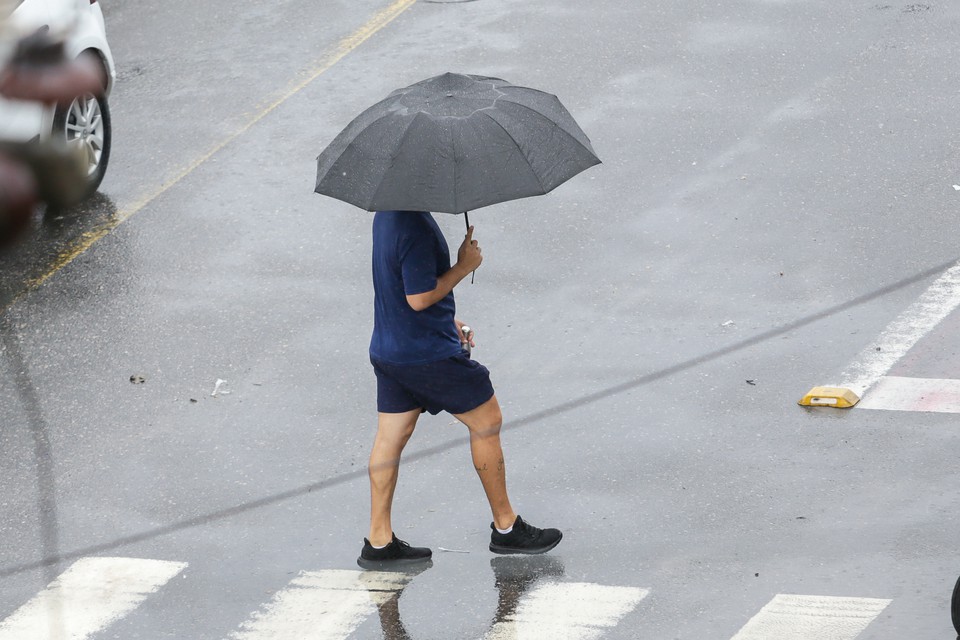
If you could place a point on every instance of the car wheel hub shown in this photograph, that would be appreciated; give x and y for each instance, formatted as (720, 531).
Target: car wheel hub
(85, 128)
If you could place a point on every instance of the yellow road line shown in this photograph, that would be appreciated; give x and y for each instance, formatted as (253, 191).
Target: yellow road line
(344, 47)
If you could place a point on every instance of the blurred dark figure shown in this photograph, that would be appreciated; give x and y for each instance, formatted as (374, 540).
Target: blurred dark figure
(31, 173)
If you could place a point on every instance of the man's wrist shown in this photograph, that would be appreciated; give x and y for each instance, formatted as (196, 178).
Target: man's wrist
(460, 271)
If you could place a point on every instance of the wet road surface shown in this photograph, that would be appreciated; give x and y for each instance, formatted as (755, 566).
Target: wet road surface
(777, 190)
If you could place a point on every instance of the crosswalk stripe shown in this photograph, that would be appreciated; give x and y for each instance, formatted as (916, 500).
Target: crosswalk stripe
(567, 611)
(921, 317)
(893, 393)
(322, 605)
(89, 596)
(330, 605)
(795, 617)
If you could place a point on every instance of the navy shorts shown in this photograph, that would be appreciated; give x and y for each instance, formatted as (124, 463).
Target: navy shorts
(456, 385)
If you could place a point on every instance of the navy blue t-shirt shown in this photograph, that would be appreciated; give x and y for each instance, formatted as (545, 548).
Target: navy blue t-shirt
(409, 254)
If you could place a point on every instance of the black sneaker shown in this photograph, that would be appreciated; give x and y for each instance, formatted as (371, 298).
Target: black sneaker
(524, 538)
(396, 553)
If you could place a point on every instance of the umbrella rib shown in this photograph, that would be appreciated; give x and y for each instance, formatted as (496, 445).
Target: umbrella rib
(556, 125)
(519, 148)
(393, 158)
(453, 151)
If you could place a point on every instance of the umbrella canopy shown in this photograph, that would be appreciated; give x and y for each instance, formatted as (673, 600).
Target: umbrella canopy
(454, 143)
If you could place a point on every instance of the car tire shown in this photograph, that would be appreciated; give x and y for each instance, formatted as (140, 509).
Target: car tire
(955, 607)
(86, 122)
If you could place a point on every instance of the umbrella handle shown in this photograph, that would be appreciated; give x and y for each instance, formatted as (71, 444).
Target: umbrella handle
(466, 218)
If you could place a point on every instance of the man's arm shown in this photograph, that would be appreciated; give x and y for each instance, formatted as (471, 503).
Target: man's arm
(468, 259)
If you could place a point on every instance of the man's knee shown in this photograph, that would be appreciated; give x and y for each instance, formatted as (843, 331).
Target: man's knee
(495, 419)
(485, 420)
(396, 427)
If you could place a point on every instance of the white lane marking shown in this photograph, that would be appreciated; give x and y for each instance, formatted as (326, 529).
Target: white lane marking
(791, 617)
(892, 393)
(322, 605)
(89, 596)
(567, 611)
(936, 303)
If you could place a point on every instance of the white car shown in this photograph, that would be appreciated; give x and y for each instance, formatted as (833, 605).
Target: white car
(86, 121)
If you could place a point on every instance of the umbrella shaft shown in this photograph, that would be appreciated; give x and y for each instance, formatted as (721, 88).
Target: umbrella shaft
(466, 218)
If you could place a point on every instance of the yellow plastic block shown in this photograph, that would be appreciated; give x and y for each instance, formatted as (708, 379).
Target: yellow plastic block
(838, 397)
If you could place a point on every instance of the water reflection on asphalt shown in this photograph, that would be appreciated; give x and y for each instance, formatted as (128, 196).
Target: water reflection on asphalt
(51, 235)
(513, 577)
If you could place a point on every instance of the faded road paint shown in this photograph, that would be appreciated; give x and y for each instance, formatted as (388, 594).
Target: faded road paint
(792, 617)
(322, 605)
(935, 395)
(88, 597)
(936, 303)
(568, 611)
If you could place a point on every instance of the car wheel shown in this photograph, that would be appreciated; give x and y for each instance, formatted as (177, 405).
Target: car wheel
(955, 607)
(85, 124)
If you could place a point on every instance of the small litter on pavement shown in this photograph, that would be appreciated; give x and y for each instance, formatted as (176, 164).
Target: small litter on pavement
(135, 379)
(216, 389)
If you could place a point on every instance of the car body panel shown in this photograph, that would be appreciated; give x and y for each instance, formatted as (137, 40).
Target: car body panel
(82, 26)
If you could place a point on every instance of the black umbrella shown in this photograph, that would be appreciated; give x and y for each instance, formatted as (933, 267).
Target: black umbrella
(454, 143)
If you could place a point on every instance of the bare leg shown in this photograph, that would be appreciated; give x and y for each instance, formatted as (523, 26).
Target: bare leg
(393, 432)
(484, 423)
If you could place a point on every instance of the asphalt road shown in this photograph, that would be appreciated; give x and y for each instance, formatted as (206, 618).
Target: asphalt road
(777, 188)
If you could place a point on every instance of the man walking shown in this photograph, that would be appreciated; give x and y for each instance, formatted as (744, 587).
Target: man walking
(420, 366)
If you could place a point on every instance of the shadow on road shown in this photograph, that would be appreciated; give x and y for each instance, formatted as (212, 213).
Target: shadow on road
(43, 455)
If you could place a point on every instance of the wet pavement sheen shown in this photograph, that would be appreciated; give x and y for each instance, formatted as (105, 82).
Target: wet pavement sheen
(649, 325)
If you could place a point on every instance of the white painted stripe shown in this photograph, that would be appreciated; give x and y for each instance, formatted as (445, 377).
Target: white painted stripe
(567, 611)
(89, 596)
(789, 617)
(936, 303)
(322, 605)
(892, 393)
